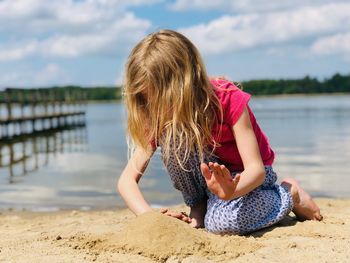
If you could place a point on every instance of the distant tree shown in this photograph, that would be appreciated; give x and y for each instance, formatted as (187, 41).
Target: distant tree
(338, 83)
(306, 85)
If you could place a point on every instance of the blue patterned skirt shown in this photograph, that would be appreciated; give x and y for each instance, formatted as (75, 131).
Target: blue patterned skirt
(262, 207)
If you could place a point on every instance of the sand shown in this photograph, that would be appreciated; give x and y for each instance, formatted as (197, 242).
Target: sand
(119, 236)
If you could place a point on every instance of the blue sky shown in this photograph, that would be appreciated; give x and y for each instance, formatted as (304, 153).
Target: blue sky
(86, 42)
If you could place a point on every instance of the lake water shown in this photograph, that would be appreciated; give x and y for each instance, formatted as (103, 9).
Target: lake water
(78, 168)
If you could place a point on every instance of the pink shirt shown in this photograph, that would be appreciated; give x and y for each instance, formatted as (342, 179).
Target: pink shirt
(233, 101)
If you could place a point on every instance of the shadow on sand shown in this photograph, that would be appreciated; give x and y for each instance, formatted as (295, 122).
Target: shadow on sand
(286, 222)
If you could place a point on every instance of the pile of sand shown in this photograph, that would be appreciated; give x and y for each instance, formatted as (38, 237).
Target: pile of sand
(160, 237)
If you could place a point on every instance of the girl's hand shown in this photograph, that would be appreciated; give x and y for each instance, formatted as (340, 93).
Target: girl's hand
(179, 215)
(219, 180)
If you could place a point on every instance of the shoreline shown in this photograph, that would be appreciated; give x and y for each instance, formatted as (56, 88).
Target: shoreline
(119, 207)
(283, 95)
(118, 236)
(46, 209)
(335, 94)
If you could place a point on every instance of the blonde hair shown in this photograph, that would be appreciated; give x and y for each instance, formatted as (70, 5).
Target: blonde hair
(169, 97)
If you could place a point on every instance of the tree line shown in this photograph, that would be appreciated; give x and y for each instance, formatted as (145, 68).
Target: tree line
(336, 84)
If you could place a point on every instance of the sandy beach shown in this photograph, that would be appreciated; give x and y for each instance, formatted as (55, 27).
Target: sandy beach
(118, 236)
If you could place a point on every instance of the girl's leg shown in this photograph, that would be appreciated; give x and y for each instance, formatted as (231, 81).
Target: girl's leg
(191, 184)
(197, 214)
(304, 207)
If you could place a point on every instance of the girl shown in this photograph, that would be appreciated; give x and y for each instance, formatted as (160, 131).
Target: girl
(214, 150)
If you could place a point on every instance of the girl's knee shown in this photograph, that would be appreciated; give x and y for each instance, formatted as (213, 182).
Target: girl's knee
(211, 220)
(221, 224)
(290, 180)
(292, 185)
(222, 229)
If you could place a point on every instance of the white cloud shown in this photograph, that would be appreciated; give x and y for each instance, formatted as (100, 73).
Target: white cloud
(65, 11)
(182, 5)
(9, 77)
(112, 39)
(50, 73)
(17, 52)
(245, 6)
(335, 44)
(230, 33)
(67, 28)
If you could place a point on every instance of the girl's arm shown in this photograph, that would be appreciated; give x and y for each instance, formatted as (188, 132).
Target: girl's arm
(254, 170)
(128, 181)
(130, 191)
(219, 179)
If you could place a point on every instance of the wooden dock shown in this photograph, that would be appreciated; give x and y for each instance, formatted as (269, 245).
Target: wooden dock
(26, 111)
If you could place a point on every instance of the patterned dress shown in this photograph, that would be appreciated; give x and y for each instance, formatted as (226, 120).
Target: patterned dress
(263, 207)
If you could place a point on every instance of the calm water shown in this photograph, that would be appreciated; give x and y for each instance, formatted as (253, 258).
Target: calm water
(78, 168)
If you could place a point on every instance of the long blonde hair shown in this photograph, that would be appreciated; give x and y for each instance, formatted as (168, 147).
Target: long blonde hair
(169, 97)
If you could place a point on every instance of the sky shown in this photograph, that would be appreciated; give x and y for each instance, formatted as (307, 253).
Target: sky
(86, 42)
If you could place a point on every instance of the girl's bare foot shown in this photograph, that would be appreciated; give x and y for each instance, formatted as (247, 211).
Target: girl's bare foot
(304, 207)
(197, 214)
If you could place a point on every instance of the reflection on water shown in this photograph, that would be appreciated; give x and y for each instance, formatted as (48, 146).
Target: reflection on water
(310, 135)
(25, 159)
(26, 154)
(311, 138)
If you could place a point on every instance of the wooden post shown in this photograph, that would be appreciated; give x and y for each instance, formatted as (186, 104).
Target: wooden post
(9, 110)
(8, 101)
(1, 155)
(12, 158)
(22, 104)
(32, 109)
